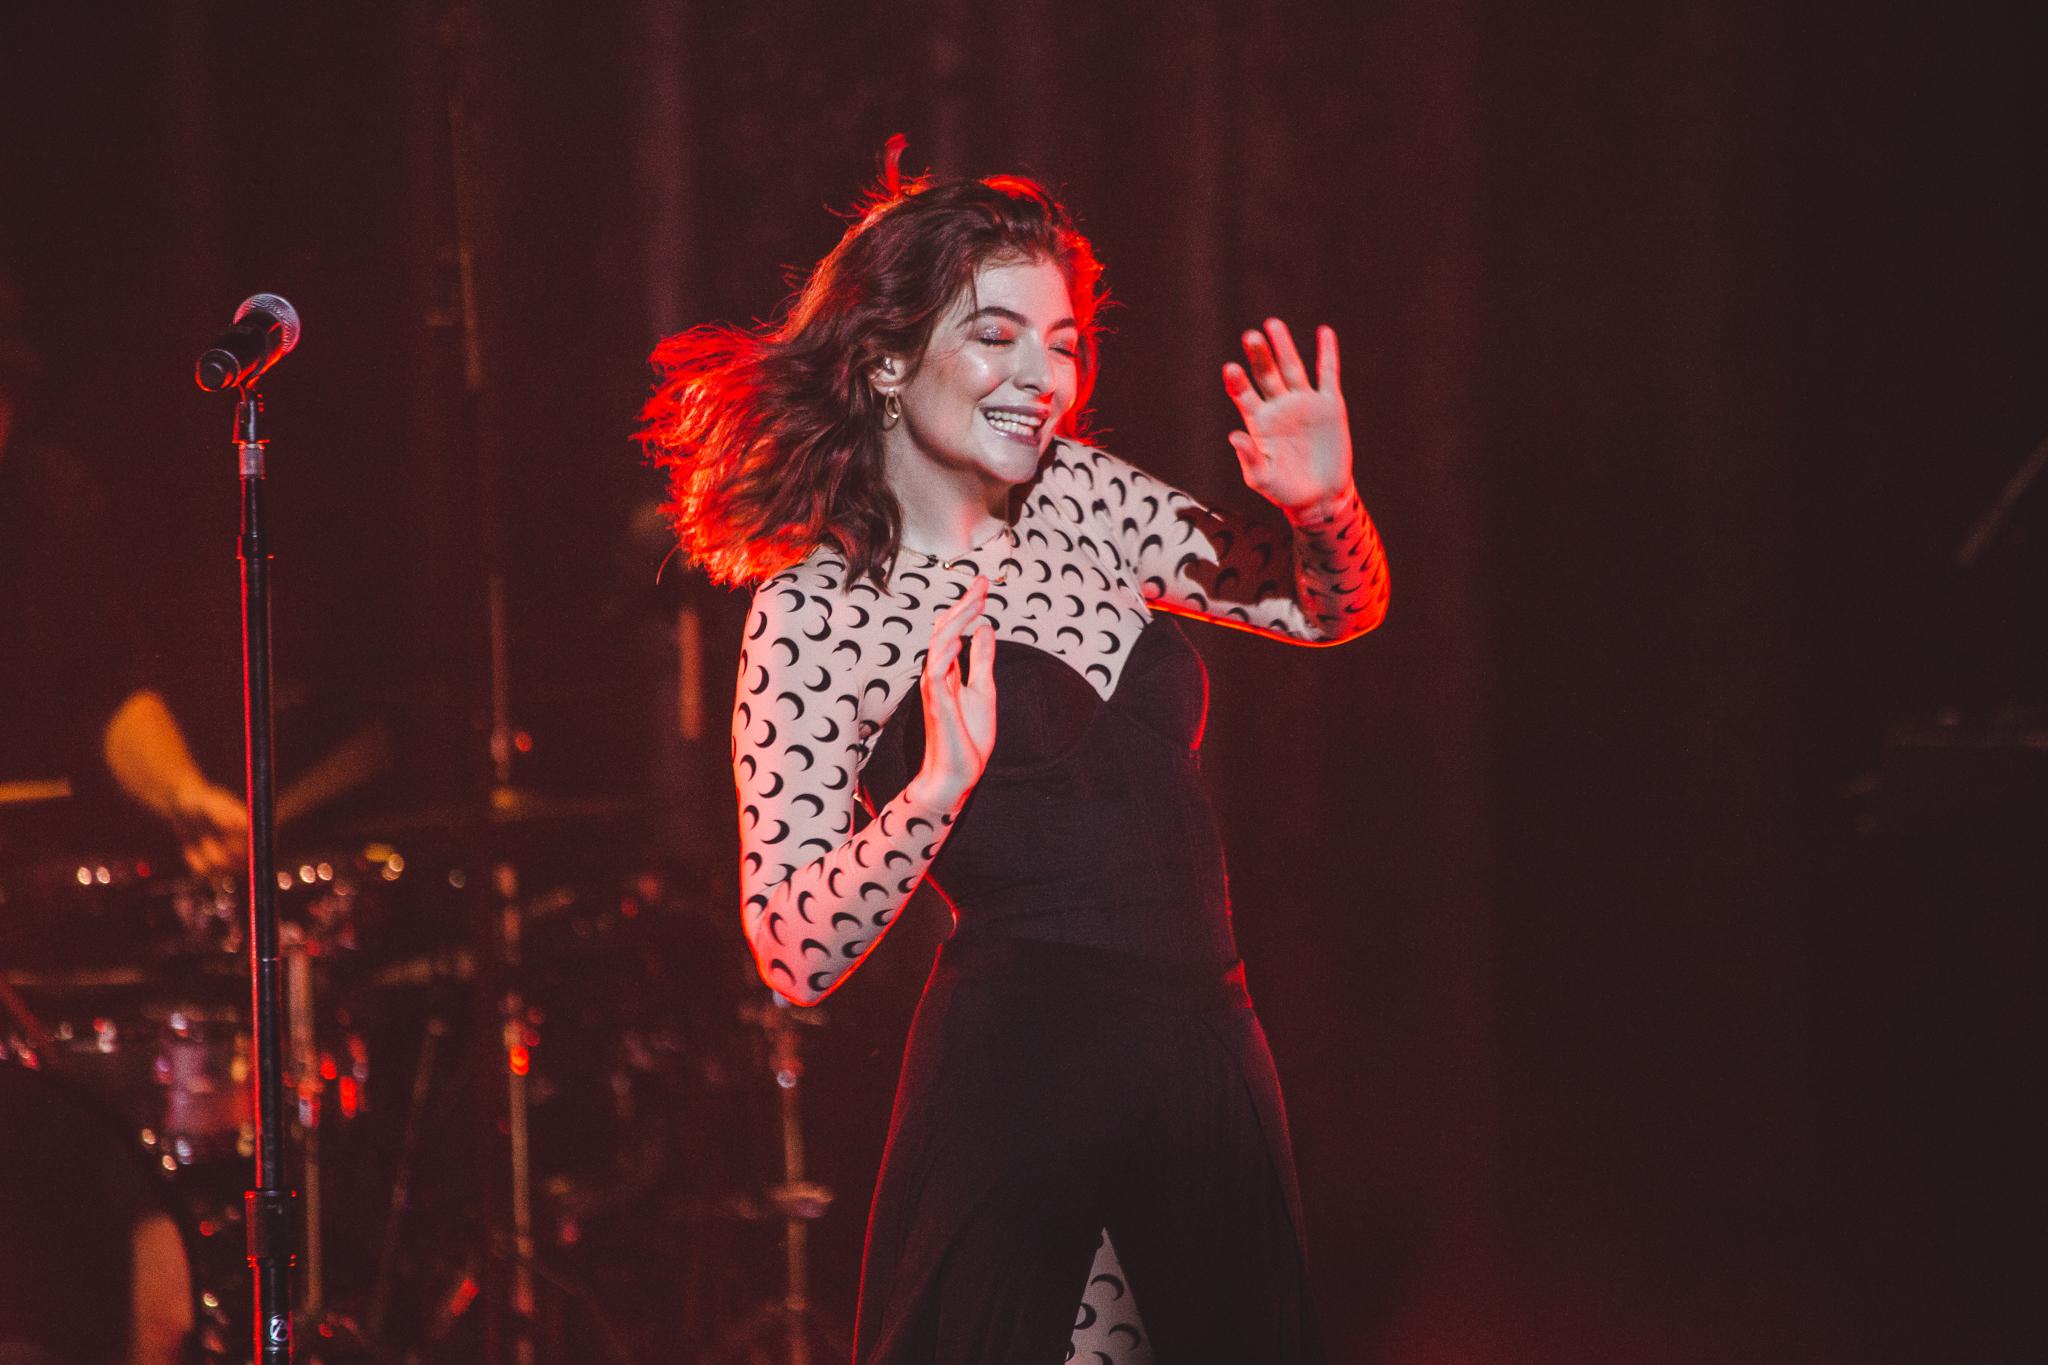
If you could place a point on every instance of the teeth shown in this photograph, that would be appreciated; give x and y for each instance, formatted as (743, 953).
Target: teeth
(1014, 424)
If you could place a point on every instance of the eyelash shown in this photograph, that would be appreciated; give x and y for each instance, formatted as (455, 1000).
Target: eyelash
(998, 339)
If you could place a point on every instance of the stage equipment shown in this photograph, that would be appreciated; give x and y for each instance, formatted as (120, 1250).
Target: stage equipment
(265, 331)
(239, 361)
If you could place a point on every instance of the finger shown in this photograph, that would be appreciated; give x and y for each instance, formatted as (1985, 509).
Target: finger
(1264, 372)
(1291, 368)
(981, 657)
(1242, 391)
(1326, 359)
(954, 619)
(940, 657)
(963, 608)
(1250, 458)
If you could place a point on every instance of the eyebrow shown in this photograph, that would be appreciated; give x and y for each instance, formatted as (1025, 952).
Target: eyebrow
(998, 311)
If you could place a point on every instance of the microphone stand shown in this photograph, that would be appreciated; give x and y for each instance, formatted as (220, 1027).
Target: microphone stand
(270, 1209)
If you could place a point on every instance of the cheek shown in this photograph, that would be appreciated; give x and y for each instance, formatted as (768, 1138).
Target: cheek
(958, 383)
(975, 375)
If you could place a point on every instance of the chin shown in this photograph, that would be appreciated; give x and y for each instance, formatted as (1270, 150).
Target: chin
(1012, 465)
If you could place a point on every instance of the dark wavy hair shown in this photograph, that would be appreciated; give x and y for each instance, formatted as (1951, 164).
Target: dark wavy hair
(772, 437)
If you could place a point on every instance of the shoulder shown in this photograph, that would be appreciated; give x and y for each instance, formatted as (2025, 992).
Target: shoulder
(811, 631)
(1110, 496)
(1084, 471)
(1080, 485)
(790, 619)
(810, 595)
(1104, 484)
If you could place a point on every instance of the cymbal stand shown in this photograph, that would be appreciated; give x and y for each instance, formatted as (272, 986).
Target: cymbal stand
(310, 1087)
(401, 1181)
(472, 238)
(517, 1034)
(798, 1199)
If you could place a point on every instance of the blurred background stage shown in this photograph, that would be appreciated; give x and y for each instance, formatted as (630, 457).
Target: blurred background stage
(1647, 920)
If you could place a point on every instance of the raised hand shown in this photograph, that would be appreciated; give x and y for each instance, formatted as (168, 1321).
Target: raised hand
(1295, 448)
(959, 717)
(212, 827)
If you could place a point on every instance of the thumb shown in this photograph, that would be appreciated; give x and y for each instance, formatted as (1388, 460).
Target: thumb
(1249, 457)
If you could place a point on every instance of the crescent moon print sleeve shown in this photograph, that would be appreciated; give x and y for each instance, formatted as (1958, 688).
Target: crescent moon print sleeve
(816, 894)
(1323, 584)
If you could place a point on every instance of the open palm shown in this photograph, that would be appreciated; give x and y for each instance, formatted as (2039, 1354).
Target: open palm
(1295, 448)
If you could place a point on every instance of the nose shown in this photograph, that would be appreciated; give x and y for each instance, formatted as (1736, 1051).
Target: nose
(1034, 370)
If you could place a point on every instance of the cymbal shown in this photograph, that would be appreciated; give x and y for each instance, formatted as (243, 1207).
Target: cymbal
(25, 793)
(367, 753)
(509, 807)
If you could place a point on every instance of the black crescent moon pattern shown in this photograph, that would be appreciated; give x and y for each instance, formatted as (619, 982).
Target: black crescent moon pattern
(841, 656)
(1107, 1327)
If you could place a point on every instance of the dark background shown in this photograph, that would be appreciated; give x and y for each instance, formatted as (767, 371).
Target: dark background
(1653, 974)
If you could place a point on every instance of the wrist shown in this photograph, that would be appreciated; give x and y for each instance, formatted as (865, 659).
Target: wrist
(1330, 510)
(933, 797)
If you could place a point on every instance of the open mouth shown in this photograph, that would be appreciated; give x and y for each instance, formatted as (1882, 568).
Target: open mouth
(1016, 423)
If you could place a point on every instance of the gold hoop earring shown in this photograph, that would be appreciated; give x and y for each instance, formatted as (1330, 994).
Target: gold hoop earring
(892, 410)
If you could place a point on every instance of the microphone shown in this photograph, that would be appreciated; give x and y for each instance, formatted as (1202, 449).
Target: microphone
(266, 328)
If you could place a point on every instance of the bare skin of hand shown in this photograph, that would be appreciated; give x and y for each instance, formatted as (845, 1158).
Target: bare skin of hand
(1295, 449)
(959, 716)
(212, 827)
(146, 752)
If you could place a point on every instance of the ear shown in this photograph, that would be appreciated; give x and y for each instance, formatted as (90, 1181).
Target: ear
(887, 373)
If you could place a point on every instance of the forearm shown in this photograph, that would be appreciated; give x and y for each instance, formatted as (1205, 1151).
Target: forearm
(815, 924)
(147, 754)
(1340, 568)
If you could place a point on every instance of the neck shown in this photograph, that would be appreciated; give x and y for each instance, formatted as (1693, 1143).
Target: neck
(946, 512)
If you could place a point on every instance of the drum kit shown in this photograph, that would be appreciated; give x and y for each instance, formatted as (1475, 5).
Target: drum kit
(558, 1124)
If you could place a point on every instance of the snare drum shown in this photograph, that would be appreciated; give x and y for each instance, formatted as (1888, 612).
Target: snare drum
(177, 1072)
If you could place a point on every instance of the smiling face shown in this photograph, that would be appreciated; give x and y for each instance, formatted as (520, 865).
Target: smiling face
(1000, 371)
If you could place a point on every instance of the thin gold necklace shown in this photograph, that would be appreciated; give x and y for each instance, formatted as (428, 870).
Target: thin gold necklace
(932, 561)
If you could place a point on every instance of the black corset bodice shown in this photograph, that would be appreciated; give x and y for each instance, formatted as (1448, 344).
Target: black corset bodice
(1091, 825)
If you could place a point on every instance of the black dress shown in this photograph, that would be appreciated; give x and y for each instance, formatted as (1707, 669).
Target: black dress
(1085, 1055)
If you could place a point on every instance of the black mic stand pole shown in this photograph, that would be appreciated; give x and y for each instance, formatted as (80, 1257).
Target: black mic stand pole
(273, 1234)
